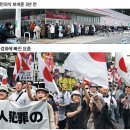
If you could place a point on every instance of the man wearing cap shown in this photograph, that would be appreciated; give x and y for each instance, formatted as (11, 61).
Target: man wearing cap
(3, 93)
(42, 94)
(77, 112)
(19, 96)
(93, 90)
(5, 33)
(125, 101)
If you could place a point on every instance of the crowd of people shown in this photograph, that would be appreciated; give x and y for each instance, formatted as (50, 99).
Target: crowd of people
(54, 31)
(85, 107)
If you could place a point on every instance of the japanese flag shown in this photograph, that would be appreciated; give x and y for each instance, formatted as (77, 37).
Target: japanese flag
(23, 61)
(43, 73)
(4, 80)
(87, 82)
(90, 65)
(121, 67)
(4, 76)
(17, 66)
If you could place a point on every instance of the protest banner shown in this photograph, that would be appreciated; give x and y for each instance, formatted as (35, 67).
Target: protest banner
(33, 116)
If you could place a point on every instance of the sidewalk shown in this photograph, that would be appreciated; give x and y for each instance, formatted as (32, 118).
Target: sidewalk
(74, 40)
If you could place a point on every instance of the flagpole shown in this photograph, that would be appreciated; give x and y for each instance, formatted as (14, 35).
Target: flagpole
(26, 63)
(112, 82)
(38, 80)
(81, 91)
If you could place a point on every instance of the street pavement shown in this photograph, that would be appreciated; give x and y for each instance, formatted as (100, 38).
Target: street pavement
(120, 125)
(120, 38)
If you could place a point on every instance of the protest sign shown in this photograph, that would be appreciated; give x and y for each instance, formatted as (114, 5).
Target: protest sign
(67, 83)
(33, 116)
(26, 75)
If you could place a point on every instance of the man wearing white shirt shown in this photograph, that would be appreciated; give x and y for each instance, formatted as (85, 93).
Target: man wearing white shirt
(19, 96)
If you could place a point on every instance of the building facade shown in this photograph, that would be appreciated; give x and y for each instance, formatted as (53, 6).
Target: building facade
(71, 16)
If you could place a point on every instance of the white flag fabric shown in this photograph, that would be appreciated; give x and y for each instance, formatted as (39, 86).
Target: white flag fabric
(43, 73)
(121, 67)
(90, 65)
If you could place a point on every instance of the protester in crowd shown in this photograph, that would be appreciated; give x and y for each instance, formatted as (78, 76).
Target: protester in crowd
(93, 90)
(77, 112)
(110, 100)
(99, 89)
(100, 118)
(43, 94)
(19, 96)
(62, 104)
(3, 93)
(76, 88)
(118, 92)
(5, 33)
(55, 109)
(125, 101)
(62, 99)
(33, 89)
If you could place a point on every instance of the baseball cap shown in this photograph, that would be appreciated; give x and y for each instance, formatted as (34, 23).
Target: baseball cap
(4, 88)
(42, 89)
(75, 92)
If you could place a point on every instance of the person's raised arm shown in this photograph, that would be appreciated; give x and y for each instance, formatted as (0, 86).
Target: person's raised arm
(85, 92)
(29, 92)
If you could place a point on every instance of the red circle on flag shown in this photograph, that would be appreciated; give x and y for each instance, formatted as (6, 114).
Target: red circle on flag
(98, 56)
(122, 65)
(47, 74)
(4, 81)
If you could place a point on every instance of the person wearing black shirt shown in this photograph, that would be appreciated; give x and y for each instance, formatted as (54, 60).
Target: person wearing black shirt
(77, 112)
(125, 101)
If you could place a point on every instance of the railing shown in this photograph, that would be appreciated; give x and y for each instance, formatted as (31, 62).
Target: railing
(28, 35)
